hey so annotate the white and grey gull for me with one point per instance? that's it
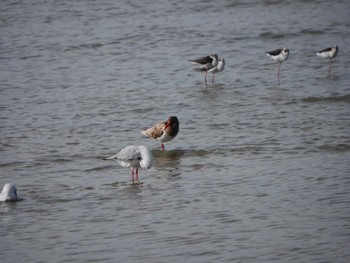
(9, 193)
(134, 157)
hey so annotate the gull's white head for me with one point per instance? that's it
(221, 65)
(9, 193)
(146, 157)
(215, 59)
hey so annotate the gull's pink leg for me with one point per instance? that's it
(206, 72)
(212, 80)
(162, 147)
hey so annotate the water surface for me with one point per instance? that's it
(258, 173)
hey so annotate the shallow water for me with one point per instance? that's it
(258, 173)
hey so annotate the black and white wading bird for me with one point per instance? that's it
(278, 55)
(205, 63)
(330, 52)
(219, 67)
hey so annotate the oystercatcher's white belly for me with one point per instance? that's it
(165, 138)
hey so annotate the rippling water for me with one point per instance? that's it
(258, 173)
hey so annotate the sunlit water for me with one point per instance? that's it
(258, 173)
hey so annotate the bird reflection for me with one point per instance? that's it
(168, 163)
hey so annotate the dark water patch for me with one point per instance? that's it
(9, 164)
(123, 183)
(177, 153)
(53, 159)
(84, 46)
(167, 159)
(272, 35)
(345, 98)
(235, 39)
(311, 31)
(28, 57)
(99, 168)
(334, 147)
(247, 150)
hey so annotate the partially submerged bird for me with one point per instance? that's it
(219, 67)
(330, 52)
(278, 55)
(205, 63)
(9, 193)
(134, 157)
(164, 131)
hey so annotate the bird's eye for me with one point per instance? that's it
(139, 158)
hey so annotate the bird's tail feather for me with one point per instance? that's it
(144, 132)
(111, 157)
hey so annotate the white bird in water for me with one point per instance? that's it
(134, 157)
(219, 67)
(9, 193)
(330, 52)
(205, 63)
(164, 131)
(278, 55)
